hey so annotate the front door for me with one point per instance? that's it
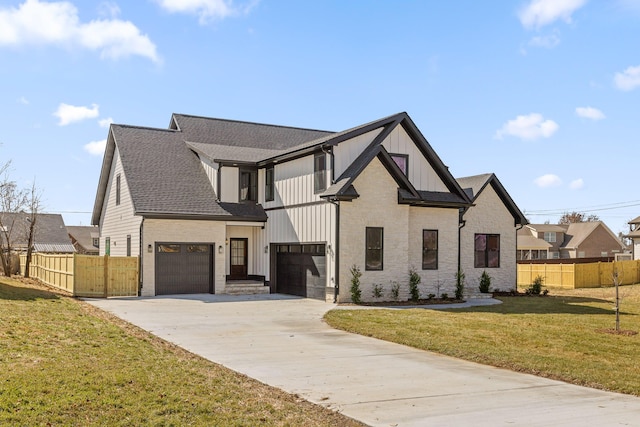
(238, 259)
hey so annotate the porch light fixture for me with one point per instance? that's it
(220, 249)
(266, 249)
(149, 248)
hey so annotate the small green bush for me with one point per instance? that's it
(414, 281)
(485, 282)
(395, 290)
(356, 292)
(377, 290)
(459, 284)
(536, 287)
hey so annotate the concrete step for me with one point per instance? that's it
(476, 295)
(246, 289)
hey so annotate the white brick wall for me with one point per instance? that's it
(489, 215)
(378, 206)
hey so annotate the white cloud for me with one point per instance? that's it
(71, 113)
(539, 13)
(57, 23)
(548, 42)
(629, 79)
(104, 123)
(22, 100)
(96, 148)
(206, 10)
(590, 113)
(548, 180)
(530, 127)
(576, 184)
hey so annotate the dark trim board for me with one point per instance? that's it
(299, 205)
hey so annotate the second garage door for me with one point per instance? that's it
(301, 269)
(184, 268)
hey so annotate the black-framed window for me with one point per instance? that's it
(128, 244)
(269, 183)
(402, 160)
(429, 249)
(117, 189)
(487, 251)
(374, 248)
(248, 185)
(319, 172)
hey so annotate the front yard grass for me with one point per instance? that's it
(64, 362)
(561, 336)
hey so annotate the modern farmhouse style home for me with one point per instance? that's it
(223, 206)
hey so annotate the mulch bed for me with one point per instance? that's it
(430, 301)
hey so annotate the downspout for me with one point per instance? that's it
(336, 252)
(461, 224)
(141, 254)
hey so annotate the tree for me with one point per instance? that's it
(33, 207)
(12, 201)
(573, 217)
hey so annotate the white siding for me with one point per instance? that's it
(421, 174)
(118, 221)
(211, 169)
(182, 231)
(346, 152)
(293, 183)
(230, 186)
(489, 216)
(378, 206)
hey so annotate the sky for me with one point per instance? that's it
(543, 93)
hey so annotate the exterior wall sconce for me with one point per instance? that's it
(149, 248)
(266, 249)
(220, 249)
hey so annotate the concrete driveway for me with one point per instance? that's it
(282, 341)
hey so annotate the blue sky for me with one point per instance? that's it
(544, 93)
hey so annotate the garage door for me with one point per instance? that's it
(184, 268)
(301, 270)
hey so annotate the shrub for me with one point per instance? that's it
(395, 290)
(459, 284)
(414, 281)
(444, 296)
(536, 287)
(377, 290)
(431, 296)
(356, 292)
(485, 282)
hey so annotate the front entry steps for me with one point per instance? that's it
(245, 287)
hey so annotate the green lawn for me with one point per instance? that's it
(559, 336)
(63, 362)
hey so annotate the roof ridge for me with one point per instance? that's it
(253, 123)
(145, 128)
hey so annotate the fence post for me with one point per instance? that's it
(106, 276)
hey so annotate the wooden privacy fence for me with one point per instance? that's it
(573, 276)
(85, 275)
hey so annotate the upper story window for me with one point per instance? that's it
(402, 160)
(319, 172)
(248, 185)
(487, 251)
(96, 242)
(269, 181)
(118, 189)
(550, 236)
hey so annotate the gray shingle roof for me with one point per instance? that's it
(83, 236)
(50, 232)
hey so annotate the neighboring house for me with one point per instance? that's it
(50, 235)
(634, 235)
(209, 203)
(86, 239)
(592, 239)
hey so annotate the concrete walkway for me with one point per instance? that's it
(282, 341)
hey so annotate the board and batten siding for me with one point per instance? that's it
(211, 169)
(348, 151)
(420, 172)
(182, 231)
(402, 226)
(119, 221)
(489, 215)
(293, 183)
(230, 184)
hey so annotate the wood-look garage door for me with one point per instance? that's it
(301, 270)
(184, 268)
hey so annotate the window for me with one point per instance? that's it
(487, 251)
(550, 236)
(96, 242)
(128, 244)
(402, 160)
(117, 189)
(555, 255)
(248, 186)
(429, 249)
(374, 246)
(319, 172)
(269, 185)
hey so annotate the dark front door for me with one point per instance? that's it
(238, 259)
